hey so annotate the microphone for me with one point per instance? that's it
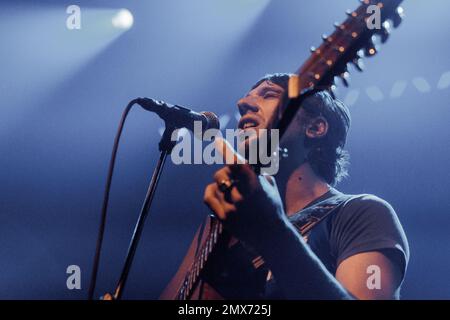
(178, 116)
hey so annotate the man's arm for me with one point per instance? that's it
(301, 275)
(370, 276)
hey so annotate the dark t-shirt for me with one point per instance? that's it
(363, 223)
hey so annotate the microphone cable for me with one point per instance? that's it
(101, 228)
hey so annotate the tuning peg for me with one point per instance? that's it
(315, 50)
(351, 13)
(398, 16)
(327, 38)
(340, 26)
(387, 25)
(359, 64)
(333, 90)
(385, 31)
(345, 77)
(359, 54)
(384, 34)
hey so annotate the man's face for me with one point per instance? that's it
(259, 110)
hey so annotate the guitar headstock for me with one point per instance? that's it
(351, 41)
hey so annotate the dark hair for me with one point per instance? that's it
(327, 156)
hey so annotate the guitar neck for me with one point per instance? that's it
(349, 43)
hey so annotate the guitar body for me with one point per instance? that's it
(201, 289)
(228, 272)
(171, 291)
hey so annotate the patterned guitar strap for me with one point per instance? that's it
(305, 220)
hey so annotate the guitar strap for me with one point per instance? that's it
(305, 220)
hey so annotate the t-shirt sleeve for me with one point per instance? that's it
(368, 223)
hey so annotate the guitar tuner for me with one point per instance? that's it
(398, 16)
(333, 90)
(345, 77)
(384, 34)
(351, 13)
(327, 38)
(340, 26)
(358, 63)
(387, 26)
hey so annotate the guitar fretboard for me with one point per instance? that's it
(200, 260)
(203, 254)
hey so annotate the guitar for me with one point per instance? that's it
(349, 43)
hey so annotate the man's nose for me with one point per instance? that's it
(247, 104)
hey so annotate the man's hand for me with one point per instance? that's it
(249, 205)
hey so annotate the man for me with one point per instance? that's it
(357, 249)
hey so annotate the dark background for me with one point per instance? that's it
(62, 93)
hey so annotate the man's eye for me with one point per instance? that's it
(269, 95)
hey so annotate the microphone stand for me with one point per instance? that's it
(166, 146)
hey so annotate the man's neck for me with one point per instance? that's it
(301, 186)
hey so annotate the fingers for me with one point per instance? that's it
(237, 180)
(211, 199)
(222, 174)
(217, 202)
(246, 179)
(237, 167)
(232, 184)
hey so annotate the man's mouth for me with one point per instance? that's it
(247, 122)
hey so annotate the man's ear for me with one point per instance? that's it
(317, 128)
